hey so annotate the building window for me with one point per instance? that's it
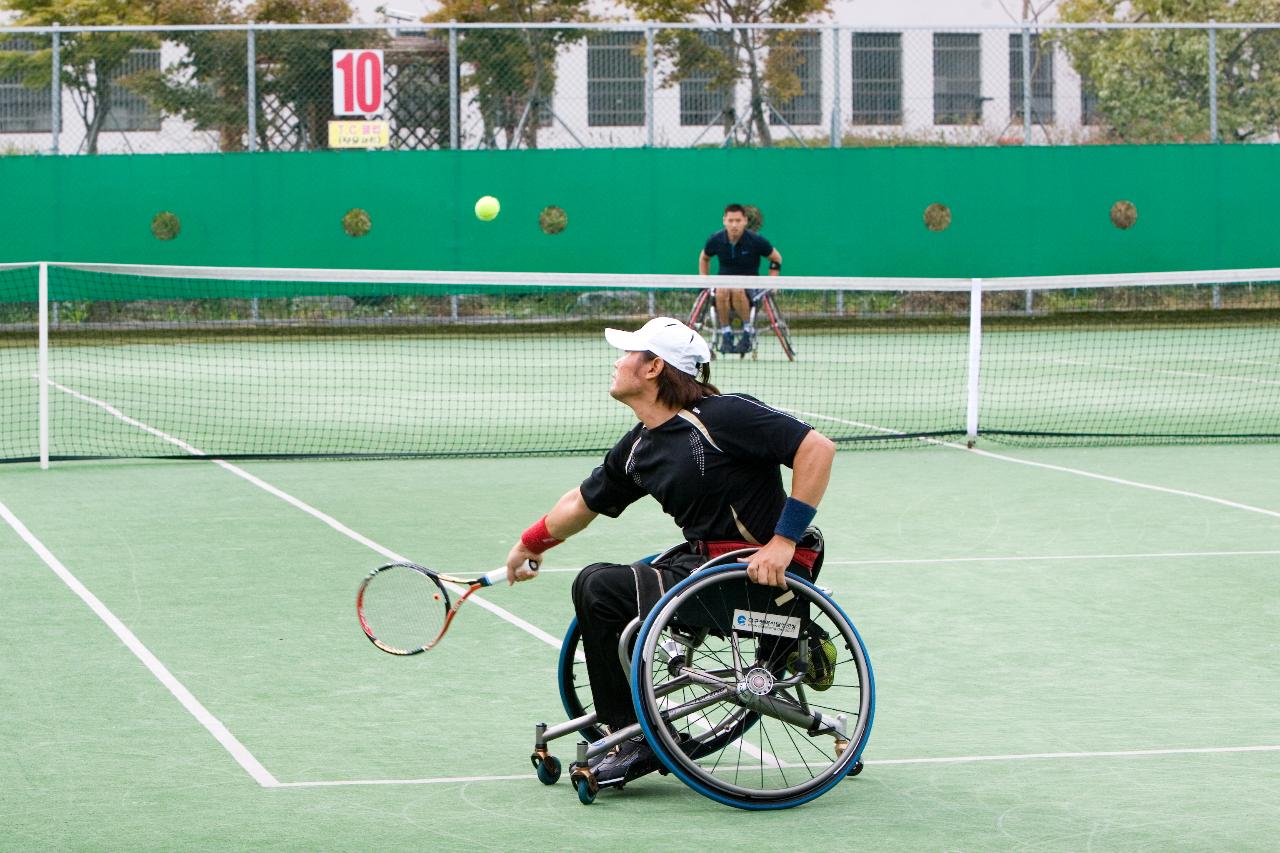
(1090, 112)
(957, 78)
(512, 109)
(1041, 80)
(23, 109)
(801, 55)
(129, 110)
(877, 78)
(702, 102)
(615, 79)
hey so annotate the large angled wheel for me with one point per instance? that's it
(703, 319)
(575, 687)
(789, 661)
(779, 325)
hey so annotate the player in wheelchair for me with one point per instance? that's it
(762, 308)
(707, 660)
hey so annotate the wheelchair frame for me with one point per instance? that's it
(705, 319)
(664, 647)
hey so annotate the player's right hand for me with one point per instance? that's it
(517, 564)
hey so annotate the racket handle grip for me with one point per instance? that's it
(500, 575)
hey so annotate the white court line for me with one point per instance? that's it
(1061, 468)
(1040, 756)
(888, 762)
(1190, 373)
(1022, 558)
(1034, 557)
(305, 507)
(211, 723)
(443, 780)
(216, 728)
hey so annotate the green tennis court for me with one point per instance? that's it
(1077, 651)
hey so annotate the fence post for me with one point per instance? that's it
(837, 118)
(454, 134)
(1026, 85)
(1213, 82)
(975, 361)
(648, 87)
(251, 87)
(55, 90)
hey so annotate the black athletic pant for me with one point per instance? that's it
(606, 597)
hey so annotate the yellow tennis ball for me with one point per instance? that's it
(487, 208)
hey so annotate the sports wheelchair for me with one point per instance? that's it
(754, 696)
(704, 318)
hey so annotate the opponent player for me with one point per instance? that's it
(713, 462)
(739, 252)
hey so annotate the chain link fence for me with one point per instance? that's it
(270, 87)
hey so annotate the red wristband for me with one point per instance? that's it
(537, 538)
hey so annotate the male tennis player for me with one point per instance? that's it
(713, 461)
(739, 252)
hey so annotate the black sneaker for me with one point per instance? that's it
(822, 663)
(727, 344)
(629, 760)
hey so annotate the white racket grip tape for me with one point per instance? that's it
(500, 575)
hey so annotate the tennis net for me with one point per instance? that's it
(242, 363)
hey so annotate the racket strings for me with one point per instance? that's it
(405, 608)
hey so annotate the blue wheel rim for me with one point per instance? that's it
(672, 765)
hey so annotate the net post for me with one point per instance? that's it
(975, 360)
(42, 364)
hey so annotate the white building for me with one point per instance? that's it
(944, 70)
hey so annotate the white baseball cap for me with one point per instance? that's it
(669, 339)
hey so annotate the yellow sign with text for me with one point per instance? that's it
(359, 134)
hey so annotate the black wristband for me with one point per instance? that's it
(775, 265)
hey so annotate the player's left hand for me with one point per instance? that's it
(768, 566)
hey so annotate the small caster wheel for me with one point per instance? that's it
(855, 769)
(548, 769)
(584, 783)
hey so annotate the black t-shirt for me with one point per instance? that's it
(741, 258)
(712, 467)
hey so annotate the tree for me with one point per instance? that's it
(295, 96)
(208, 84)
(513, 70)
(1153, 85)
(768, 59)
(91, 62)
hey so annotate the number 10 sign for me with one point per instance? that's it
(357, 83)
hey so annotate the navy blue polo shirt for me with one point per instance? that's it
(741, 258)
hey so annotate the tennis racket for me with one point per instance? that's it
(405, 609)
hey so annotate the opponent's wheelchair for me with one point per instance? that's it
(704, 318)
(754, 696)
